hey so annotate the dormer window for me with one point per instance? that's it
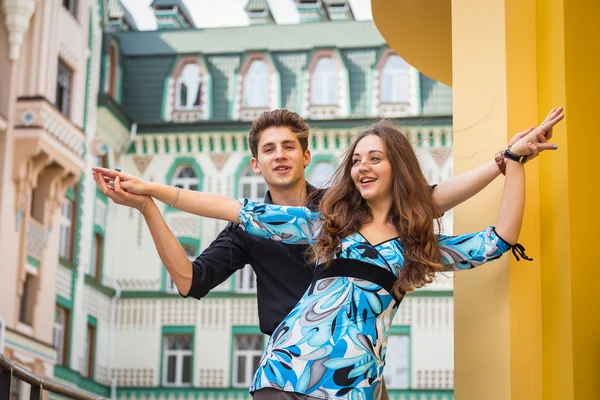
(258, 90)
(394, 81)
(324, 82)
(189, 88)
(257, 85)
(395, 86)
(326, 86)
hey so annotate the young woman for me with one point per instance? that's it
(373, 241)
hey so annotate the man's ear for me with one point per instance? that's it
(307, 158)
(255, 165)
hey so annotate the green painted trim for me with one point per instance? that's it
(176, 330)
(75, 378)
(417, 83)
(70, 194)
(64, 303)
(88, 72)
(119, 76)
(33, 262)
(92, 321)
(105, 290)
(78, 221)
(245, 330)
(316, 159)
(233, 92)
(180, 21)
(400, 330)
(431, 293)
(72, 316)
(238, 172)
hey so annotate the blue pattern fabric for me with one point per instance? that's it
(332, 345)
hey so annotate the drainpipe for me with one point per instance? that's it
(2, 334)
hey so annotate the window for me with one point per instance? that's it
(67, 216)
(321, 174)
(64, 81)
(189, 88)
(185, 178)
(26, 305)
(245, 281)
(96, 264)
(324, 82)
(71, 6)
(247, 353)
(177, 360)
(394, 81)
(397, 362)
(15, 389)
(88, 352)
(61, 334)
(251, 185)
(256, 85)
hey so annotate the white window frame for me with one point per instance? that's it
(193, 83)
(257, 87)
(323, 79)
(320, 181)
(60, 328)
(66, 229)
(256, 183)
(180, 355)
(185, 182)
(245, 280)
(397, 78)
(397, 370)
(249, 355)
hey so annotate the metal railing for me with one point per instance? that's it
(10, 369)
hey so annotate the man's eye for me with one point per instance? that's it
(289, 148)
(268, 150)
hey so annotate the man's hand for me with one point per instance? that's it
(127, 182)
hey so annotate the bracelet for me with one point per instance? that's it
(176, 196)
(514, 157)
(143, 206)
(499, 158)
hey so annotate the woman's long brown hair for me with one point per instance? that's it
(345, 212)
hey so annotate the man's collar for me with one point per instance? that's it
(310, 190)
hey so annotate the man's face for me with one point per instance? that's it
(280, 159)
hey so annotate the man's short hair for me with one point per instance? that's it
(279, 117)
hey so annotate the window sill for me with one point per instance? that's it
(24, 328)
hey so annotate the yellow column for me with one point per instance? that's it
(522, 330)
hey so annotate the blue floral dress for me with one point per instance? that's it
(332, 345)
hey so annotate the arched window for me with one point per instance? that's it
(321, 174)
(251, 185)
(324, 82)
(256, 85)
(189, 85)
(185, 178)
(394, 81)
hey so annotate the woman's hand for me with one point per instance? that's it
(538, 136)
(127, 182)
(117, 194)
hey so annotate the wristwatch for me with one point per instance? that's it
(514, 157)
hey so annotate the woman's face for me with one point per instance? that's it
(371, 170)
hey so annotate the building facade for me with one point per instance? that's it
(87, 300)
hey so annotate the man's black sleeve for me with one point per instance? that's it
(225, 255)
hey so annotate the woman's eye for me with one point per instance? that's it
(354, 162)
(375, 159)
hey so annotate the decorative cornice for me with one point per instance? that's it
(17, 14)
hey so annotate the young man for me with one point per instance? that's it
(278, 142)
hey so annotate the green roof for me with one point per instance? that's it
(256, 5)
(175, 3)
(339, 34)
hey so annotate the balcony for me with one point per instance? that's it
(42, 131)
